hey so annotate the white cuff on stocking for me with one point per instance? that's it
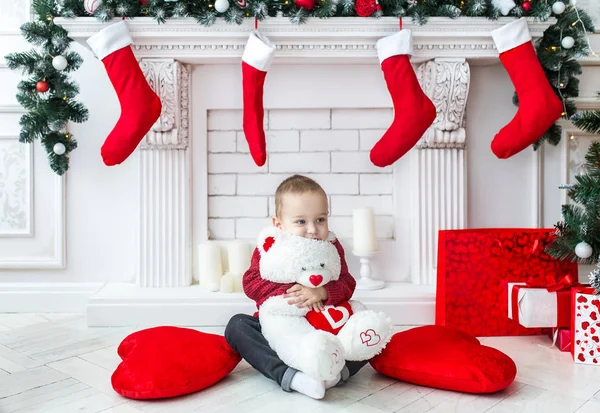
(396, 44)
(259, 51)
(511, 35)
(110, 39)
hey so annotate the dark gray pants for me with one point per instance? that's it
(243, 333)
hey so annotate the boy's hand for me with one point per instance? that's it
(307, 297)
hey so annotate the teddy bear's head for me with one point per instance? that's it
(286, 258)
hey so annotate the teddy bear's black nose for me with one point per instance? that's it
(322, 265)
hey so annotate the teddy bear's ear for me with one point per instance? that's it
(331, 237)
(267, 238)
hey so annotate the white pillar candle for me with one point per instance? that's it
(237, 283)
(227, 283)
(238, 257)
(365, 237)
(209, 266)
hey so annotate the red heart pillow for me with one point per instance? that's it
(445, 358)
(164, 362)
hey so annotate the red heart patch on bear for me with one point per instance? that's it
(165, 362)
(445, 358)
(332, 319)
(269, 241)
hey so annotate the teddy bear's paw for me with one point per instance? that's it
(323, 355)
(365, 335)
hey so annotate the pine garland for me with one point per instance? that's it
(559, 63)
(48, 111)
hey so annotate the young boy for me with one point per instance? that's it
(301, 209)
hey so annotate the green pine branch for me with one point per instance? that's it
(588, 121)
(48, 113)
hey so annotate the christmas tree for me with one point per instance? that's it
(47, 94)
(578, 235)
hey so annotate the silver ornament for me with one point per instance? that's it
(583, 250)
(59, 148)
(59, 63)
(567, 42)
(558, 7)
(221, 6)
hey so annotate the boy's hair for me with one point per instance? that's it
(295, 184)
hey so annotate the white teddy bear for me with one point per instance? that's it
(286, 258)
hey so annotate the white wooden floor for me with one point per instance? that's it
(54, 363)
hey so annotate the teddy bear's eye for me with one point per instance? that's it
(322, 265)
(303, 268)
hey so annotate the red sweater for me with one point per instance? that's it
(259, 289)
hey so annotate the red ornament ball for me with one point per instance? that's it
(526, 6)
(365, 8)
(144, 2)
(306, 4)
(42, 86)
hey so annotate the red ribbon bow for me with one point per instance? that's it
(550, 284)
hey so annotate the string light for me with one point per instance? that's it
(562, 98)
(587, 38)
(572, 137)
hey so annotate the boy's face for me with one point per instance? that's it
(304, 215)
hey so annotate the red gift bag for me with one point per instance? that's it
(473, 272)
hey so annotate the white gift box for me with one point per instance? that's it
(537, 307)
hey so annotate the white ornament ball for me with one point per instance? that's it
(567, 42)
(558, 7)
(91, 5)
(573, 2)
(59, 63)
(59, 148)
(583, 250)
(221, 6)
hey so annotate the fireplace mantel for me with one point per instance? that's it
(336, 40)
(164, 291)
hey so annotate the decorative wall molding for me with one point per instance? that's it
(446, 82)
(12, 109)
(333, 39)
(58, 258)
(165, 232)
(19, 203)
(50, 297)
(170, 80)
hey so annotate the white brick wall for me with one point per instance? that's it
(330, 146)
(299, 162)
(221, 184)
(361, 118)
(221, 141)
(369, 137)
(329, 140)
(237, 206)
(287, 119)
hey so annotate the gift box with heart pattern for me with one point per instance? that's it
(586, 326)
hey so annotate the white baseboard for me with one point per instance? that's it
(129, 305)
(46, 297)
